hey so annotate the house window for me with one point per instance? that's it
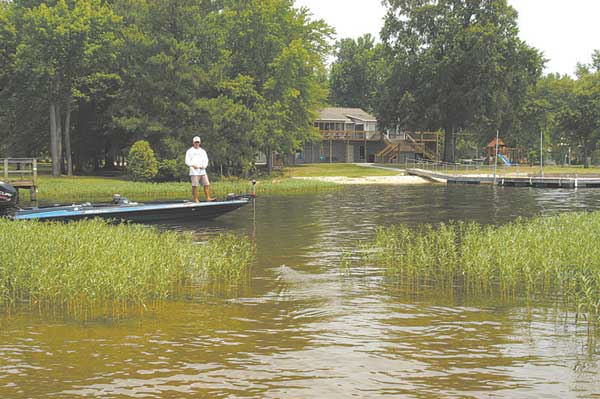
(361, 152)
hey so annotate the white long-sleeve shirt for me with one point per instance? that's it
(196, 157)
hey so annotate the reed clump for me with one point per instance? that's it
(92, 268)
(550, 256)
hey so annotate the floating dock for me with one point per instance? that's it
(525, 181)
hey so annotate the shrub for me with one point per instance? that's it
(142, 164)
(172, 170)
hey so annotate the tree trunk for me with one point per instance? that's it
(59, 133)
(67, 132)
(449, 144)
(586, 159)
(269, 160)
(54, 153)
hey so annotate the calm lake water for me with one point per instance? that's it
(303, 328)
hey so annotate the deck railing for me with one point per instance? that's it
(20, 172)
(359, 135)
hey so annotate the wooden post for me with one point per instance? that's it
(34, 172)
(330, 150)
(347, 151)
(6, 168)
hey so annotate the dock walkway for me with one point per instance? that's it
(510, 181)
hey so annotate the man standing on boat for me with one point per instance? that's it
(197, 160)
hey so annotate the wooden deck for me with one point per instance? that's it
(20, 173)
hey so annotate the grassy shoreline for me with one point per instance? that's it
(93, 268)
(102, 188)
(91, 188)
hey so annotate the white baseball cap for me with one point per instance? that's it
(196, 139)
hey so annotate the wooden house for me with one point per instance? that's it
(347, 135)
(351, 135)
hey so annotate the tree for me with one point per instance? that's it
(7, 46)
(540, 115)
(141, 162)
(246, 76)
(63, 51)
(243, 75)
(579, 118)
(353, 76)
(283, 52)
(454, 65)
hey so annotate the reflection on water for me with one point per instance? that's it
(302, 328)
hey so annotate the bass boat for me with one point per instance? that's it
(120, 209)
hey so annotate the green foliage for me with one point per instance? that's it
(82, 268)
(172, 170)
(246, 76)
(242, 75)
(7, 45)
(141, 162)
(454, 65)
(78, 189)
(354, 73)
(579, 117)
(65, 53)
(544, 256)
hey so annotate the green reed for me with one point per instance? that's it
(61, 189)
(91, 268)
(549, 256)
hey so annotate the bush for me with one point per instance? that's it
(142, 164)
(172, 170)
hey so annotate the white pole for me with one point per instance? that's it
(496, 157)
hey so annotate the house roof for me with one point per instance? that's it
(345, 115)
(492, 143)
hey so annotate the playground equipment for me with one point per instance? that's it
(504, 159)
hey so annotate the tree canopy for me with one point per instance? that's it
(354, 73)
(246, 76)
(454, 65)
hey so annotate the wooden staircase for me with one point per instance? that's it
(413, 142)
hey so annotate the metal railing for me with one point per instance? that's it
(475, 168)
(485, 169)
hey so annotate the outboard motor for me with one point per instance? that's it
(9, 196)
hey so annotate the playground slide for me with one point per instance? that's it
(504, 159)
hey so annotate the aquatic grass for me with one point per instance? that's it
(224, 258)
(543, 256)
(92, 267)
(64, 189)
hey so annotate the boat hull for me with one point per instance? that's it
(148, 212)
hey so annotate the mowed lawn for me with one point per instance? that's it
(335, 169)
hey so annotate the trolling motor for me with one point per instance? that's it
(233, 196)
(9, 197)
